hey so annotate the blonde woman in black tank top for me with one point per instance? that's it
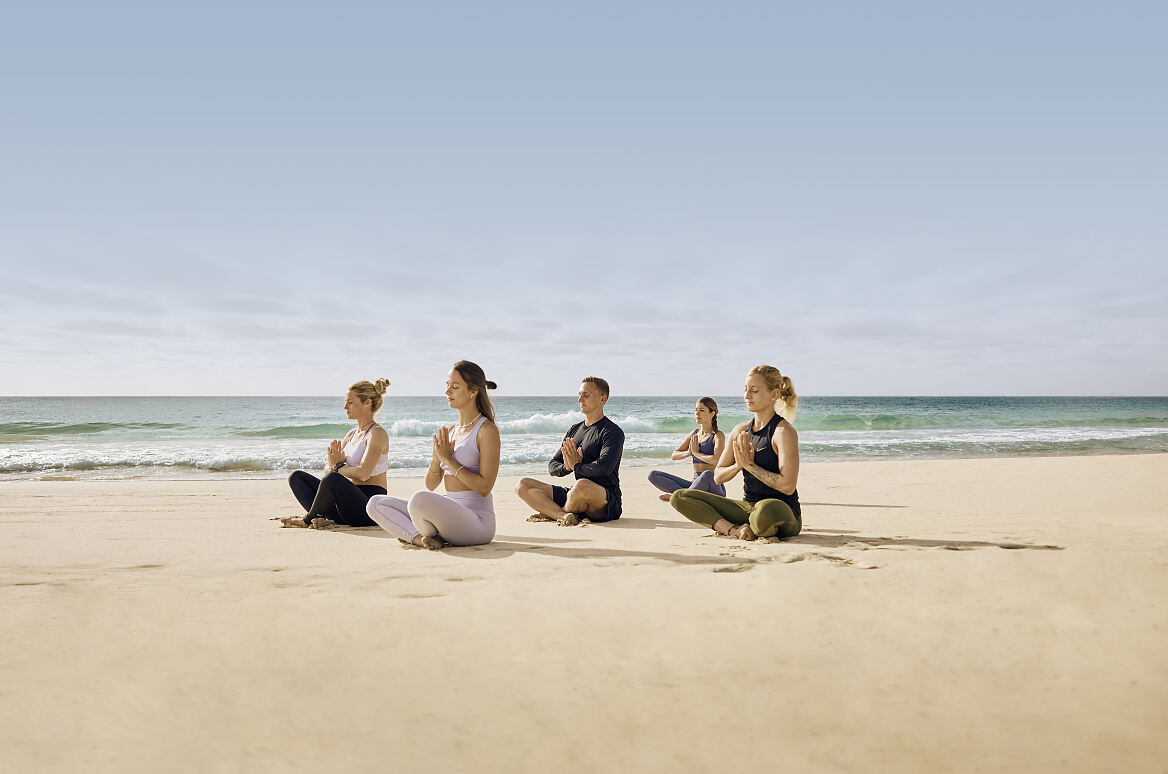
(765, 449)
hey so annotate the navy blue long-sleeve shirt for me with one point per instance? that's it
(601, 445)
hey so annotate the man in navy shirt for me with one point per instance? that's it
(591, 451)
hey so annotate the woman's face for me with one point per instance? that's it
(702, 414)
(757, 396)
(354, 407)
(458, 394)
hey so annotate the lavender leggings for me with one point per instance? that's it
(459, 518)
(703, 482)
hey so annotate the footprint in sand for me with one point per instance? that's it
(734, 568)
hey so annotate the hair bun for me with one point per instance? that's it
(380, 386)
(491, 385)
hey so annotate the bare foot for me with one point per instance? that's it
(425, 541)
(321, 522)
(723, 527)
(744, 532)
(663, 498)
(293, 521)
(539, 517)
(569, 520)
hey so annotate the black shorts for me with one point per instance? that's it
(612, 510)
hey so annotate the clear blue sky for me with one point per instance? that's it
(280, 198)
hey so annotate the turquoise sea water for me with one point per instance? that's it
(224, 437)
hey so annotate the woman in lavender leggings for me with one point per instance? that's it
(705, 446)
(466, 460)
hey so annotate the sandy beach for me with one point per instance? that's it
(953, 615)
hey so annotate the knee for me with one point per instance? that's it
(678, 497)
(585, 495)
(331, 479)
(523, 485)
(420, 499)
(705, 477)
(589, 489)
(774, 517)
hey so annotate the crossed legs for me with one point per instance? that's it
(738, 518)
(586, 498)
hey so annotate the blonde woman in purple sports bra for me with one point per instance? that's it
(465, 460)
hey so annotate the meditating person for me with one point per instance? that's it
(704, 445)
(765, 450)
(465, 459)
(355, 471)
(591, 451)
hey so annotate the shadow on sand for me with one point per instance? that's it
(506, 545)
(849, 505)
(843, 538)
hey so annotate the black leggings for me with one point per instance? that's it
(333, 497)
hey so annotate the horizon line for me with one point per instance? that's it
(629, 395)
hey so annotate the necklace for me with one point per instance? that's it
(471, 422)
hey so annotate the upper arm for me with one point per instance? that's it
(684, 443)
(488, 443)
(614, 441)
(378, 445)
(786, 445)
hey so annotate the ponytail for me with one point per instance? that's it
(788, 402)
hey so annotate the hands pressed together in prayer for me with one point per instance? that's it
(693, 445)
(443, 447)
(743, 450)
(571, 453)
(336, 453)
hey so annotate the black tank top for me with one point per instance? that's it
(766, 458)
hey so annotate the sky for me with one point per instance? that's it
(879, 199)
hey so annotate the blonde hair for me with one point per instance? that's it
(788, 402)
(370, 391)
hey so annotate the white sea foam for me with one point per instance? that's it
(407, 428)
(634, 425)
(541, 423)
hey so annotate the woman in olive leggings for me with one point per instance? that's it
(765, 449)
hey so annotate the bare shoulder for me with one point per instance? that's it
(786, 430)
(489, 429)
(379, 434)
(738, 428)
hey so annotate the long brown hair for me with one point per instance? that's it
(712, 405)
(475, 379)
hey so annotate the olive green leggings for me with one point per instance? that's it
(767, 518)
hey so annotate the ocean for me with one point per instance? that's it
(252, 437)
